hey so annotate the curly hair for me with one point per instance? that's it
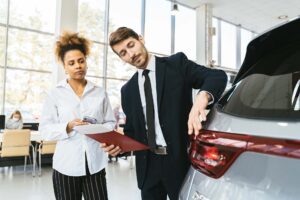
(71, 41)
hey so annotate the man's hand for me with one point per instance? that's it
(111, 149)
(73, 123)
(198, 114)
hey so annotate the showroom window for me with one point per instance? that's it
(29, 50)
(31, 40)
(33, 14)
(246, 37)
(91, 14)
(95, 62)
(3, 11)
(228, 45)
(3, 19)
(215, 42)
(125, 13)
(185, 32)
(131, 18)
(29, 59)
(2, 45)
(91, 21)
(158, 40)
(114, 91)
(122, 13)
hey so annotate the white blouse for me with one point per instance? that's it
(63, 105)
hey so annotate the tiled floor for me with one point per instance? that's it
(15, 184)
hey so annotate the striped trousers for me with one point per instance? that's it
(93, 187)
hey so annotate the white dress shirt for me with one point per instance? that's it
(160, 140)
(63, 105)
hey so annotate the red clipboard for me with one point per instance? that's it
(124, 142)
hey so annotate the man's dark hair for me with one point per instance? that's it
(121, 34)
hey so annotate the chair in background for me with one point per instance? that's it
(16, 143)
(45, 147)
(32, 126)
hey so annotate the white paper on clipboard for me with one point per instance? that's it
(91, 129)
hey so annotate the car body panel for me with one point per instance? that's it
(268, 177)
(257, 127)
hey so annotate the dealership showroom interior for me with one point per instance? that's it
(149, 99)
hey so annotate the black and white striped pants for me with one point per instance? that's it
(93, 187)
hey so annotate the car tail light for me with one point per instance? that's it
(213, 152)
(280, 147)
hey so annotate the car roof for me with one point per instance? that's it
(278, 36)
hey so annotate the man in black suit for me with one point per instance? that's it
(159, 109)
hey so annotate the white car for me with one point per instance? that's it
(249, 148)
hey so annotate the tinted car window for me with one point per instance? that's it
(271, 88)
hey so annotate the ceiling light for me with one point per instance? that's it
(282, 17)
(174, 10)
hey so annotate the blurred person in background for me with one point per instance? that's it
(15, 121)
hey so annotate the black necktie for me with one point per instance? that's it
(149, 110)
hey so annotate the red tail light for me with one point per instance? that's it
(213, 152)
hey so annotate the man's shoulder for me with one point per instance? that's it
(174, 58)
(178, 55)
(130, 82)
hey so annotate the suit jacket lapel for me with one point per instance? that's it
(137, 99)
(160, 77)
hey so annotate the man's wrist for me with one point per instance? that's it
(206, 95)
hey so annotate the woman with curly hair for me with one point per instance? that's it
(78, 162)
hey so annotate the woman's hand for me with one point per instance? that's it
(73, 123)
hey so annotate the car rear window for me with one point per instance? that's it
(271, 88)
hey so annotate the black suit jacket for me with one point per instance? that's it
(176, 76)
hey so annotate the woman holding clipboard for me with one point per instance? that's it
(78, 162)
